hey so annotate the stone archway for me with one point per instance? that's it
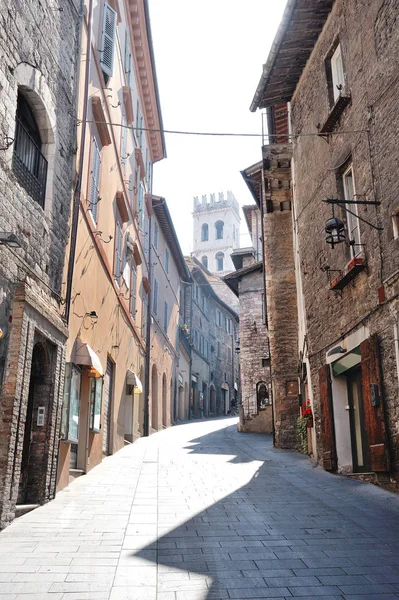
(154, 398)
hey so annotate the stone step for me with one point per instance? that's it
(75, 473)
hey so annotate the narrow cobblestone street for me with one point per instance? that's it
(200, 512)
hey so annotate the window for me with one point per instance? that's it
(204, 232)
(28, 163)
(155, 301)
(219, 350)
(204, 261)
(140, 206)
(229, 355)
(108, 41)
(351, 219)
(395, 224)
(95, 181)
(335, 73)
(167, 260)
(128, 60)
(219, 225)
(144, 315)
(262, 395)
(123, 143)
(206, 351)
(219, 261)
(133, 284)
(165, 316)
(156, 235)
(96, 392)
(218, 318)
(228, 325)
(71, 404)
(265, 362)
(118, 251)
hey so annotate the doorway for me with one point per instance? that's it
(32, 488)
(357, 423)
(108, 405)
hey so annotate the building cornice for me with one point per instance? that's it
(143, 56)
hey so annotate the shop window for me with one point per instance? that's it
(71, 403)
(96, 392)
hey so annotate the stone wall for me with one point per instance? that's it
(38, 50)
(366, 137)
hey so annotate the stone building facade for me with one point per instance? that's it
(37, 131)
(169, 273)
(213, 331)
(106, 401)
(343, 95)
(247, 282)
(216, 224)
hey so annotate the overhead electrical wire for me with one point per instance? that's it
(221, 134)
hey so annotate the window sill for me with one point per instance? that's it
(355, 266)
(333, 118)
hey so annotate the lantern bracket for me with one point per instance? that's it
(334, 201)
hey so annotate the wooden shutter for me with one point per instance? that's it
(374, 415)
(118, 251)
(108, 40)
(134, 286)
(95, 181)
(329, 452)
(123, 142)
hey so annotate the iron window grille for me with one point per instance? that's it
(29, 164)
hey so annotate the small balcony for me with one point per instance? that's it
(29, 164)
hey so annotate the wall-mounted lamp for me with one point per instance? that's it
(335, 231)
(9, 239)
(334, 227)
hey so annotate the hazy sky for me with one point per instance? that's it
(209, 56)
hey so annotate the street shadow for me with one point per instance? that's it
(288, 520)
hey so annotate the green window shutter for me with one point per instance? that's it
(108, 40)
(95, 181)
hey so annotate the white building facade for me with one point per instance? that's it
(216, 231)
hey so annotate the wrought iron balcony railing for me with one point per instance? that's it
(29, 164)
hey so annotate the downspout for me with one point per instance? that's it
(146, 424)
(78, 187)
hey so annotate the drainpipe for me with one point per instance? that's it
(396, 339)
(146, 424)
(78, 187)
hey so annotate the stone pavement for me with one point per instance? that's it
(200, 512)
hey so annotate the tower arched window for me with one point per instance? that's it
(28, 163)
(204, 261)
(219, 261)
(204, 232)
(219, 225)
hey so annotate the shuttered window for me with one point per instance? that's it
(118, 252)
(140, 206)
(165, 316)
(155, 304)
(123, 143)
(108, 40)
(167, 260)
(133, 292)
(95, 181)
(128, 60)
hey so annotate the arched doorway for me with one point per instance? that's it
(154, 398)
(164, 402)
(212, 400)
(32, 481)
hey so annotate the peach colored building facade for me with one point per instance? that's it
(107, 274)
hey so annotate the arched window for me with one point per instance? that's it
(219, 261)
(29, 164)
(219, 230)
(204, 232)
(204, 261)
(262, 395)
